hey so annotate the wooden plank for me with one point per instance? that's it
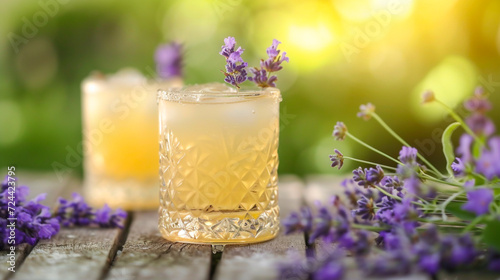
(38, 183)
(74, 253)
(258, 261)
(146, 255)
(71, 254)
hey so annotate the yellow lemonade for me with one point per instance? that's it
(218, 164)
(120, 129)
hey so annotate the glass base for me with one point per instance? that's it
(219, 227)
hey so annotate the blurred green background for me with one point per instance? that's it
(342, 54)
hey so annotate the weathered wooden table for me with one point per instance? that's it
(139, 252)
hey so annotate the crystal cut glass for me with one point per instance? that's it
(218, 164)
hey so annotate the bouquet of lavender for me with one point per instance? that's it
(412, 217)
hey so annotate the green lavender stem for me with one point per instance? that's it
(444, 223)
(459, 119)
(446, 202)
(395, 135)
(373, 149)
(472, 224)
(368, 227)
(430, 178)
(369, 162)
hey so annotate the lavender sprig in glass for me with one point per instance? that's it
(262, 77)
(235, 66)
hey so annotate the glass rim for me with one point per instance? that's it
(191, 93)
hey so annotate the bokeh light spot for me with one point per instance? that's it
(353, 10)
(452, 80)
(182, 21)
(310, 38)
(401, 8)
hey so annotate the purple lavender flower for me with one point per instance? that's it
(478, 103)
(478, 201)
(392, 182)
(339, 131)
(78, 213)
(464, 148)
(351, 194)
(366, 208)
(488, 164)
(295, 268)
(458, 167)
(395, 213)
(374, 175)
(168, 59)
(480, 124)
(273, 51)
(456, 251)
(322, 227)
(337, 159)
(235, 56)
(485, 165)
(34, 222)
(405, 211)
(324, 268)
(228, 47)
(408, 155)
(429, 263)
(366, 111)
(413, 186)
(273, 63)
(299, 222)
(239, 73)
(261, 78)
(388, 263)
(386, 203)
(469, 184)
(331, 268)
(360, 177)
(75, 212)
(235, 73)
(106, 219)
(357, 242)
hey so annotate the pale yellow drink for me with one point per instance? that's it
(120, 129)
(218, 164)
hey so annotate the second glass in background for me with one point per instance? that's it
(120, 132)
